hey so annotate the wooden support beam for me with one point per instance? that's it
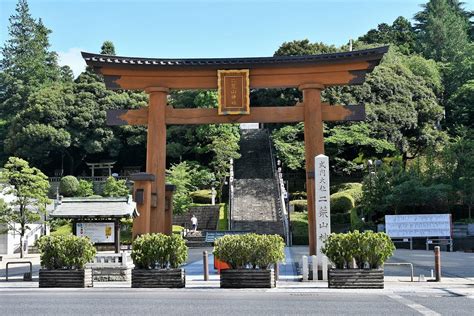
(156, 155)
(314, 145)
(270, 114)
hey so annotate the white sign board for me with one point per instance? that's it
(322, 203)
(249, 125)
(430, 225)
(101, 232)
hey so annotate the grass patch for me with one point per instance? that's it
(222, 224)
(177, 229)
(63, 230)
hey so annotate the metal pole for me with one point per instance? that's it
(205, 260)
(437, 263)
(277, 271)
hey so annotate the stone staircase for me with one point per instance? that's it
(255, 203)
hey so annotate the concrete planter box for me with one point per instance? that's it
(356, 278)
(78, 278)
(247, 278)
(158, 278)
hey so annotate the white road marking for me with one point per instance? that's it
(417, 307)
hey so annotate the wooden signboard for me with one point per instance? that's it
(234, 92)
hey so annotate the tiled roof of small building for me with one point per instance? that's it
(95, 207)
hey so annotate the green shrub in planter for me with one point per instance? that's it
(369, 250)
(341, 202)
(250, 251)
(65, 252)
(68, 186)
(299, 205)
(159, 251)
(202, 196)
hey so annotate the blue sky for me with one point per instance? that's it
(210, 28)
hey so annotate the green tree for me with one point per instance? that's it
(212, 145)
(26, 62)
(181, 176)
(400, 33)
(442, 30)
(29, 187)
(115, 188)
(461, 106)
(304, 47)
(41, 131)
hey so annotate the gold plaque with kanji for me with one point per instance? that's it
(234, 92)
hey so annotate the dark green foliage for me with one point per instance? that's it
(115, 188)
(461, 106)
(65, 252)
(304, 47)
(250, 251)
(368, 249)
(159, 251)
(289, 144)
(400, 33)
(442, 30)
(26, 62)
(68, 186)
(340, 219)
(341, 202)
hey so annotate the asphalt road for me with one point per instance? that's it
(225, 302)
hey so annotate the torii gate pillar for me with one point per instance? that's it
(314, 145)
(156, 156)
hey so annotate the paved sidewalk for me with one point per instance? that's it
(397, 280)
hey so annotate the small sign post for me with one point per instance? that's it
(322, 204)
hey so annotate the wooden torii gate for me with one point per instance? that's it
(310, 74)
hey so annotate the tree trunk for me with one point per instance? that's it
(22, 252)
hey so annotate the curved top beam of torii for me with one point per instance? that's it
(265, 72)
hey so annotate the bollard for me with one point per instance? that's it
(324, 263)
(277, 271)
(205, 260)
(305, 268)
(437, 263)
(314, 262)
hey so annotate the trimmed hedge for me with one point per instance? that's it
(65, 252)
(68, 186)
(202, 196)
(250, 251)
(159, 251)
(299, 195)
(341, 202)
(299, 205)
(346, 186)
(340, 218)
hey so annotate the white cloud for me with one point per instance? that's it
(73, 59)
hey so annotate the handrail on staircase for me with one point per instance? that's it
(281, 193)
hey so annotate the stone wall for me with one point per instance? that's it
(207, 216)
